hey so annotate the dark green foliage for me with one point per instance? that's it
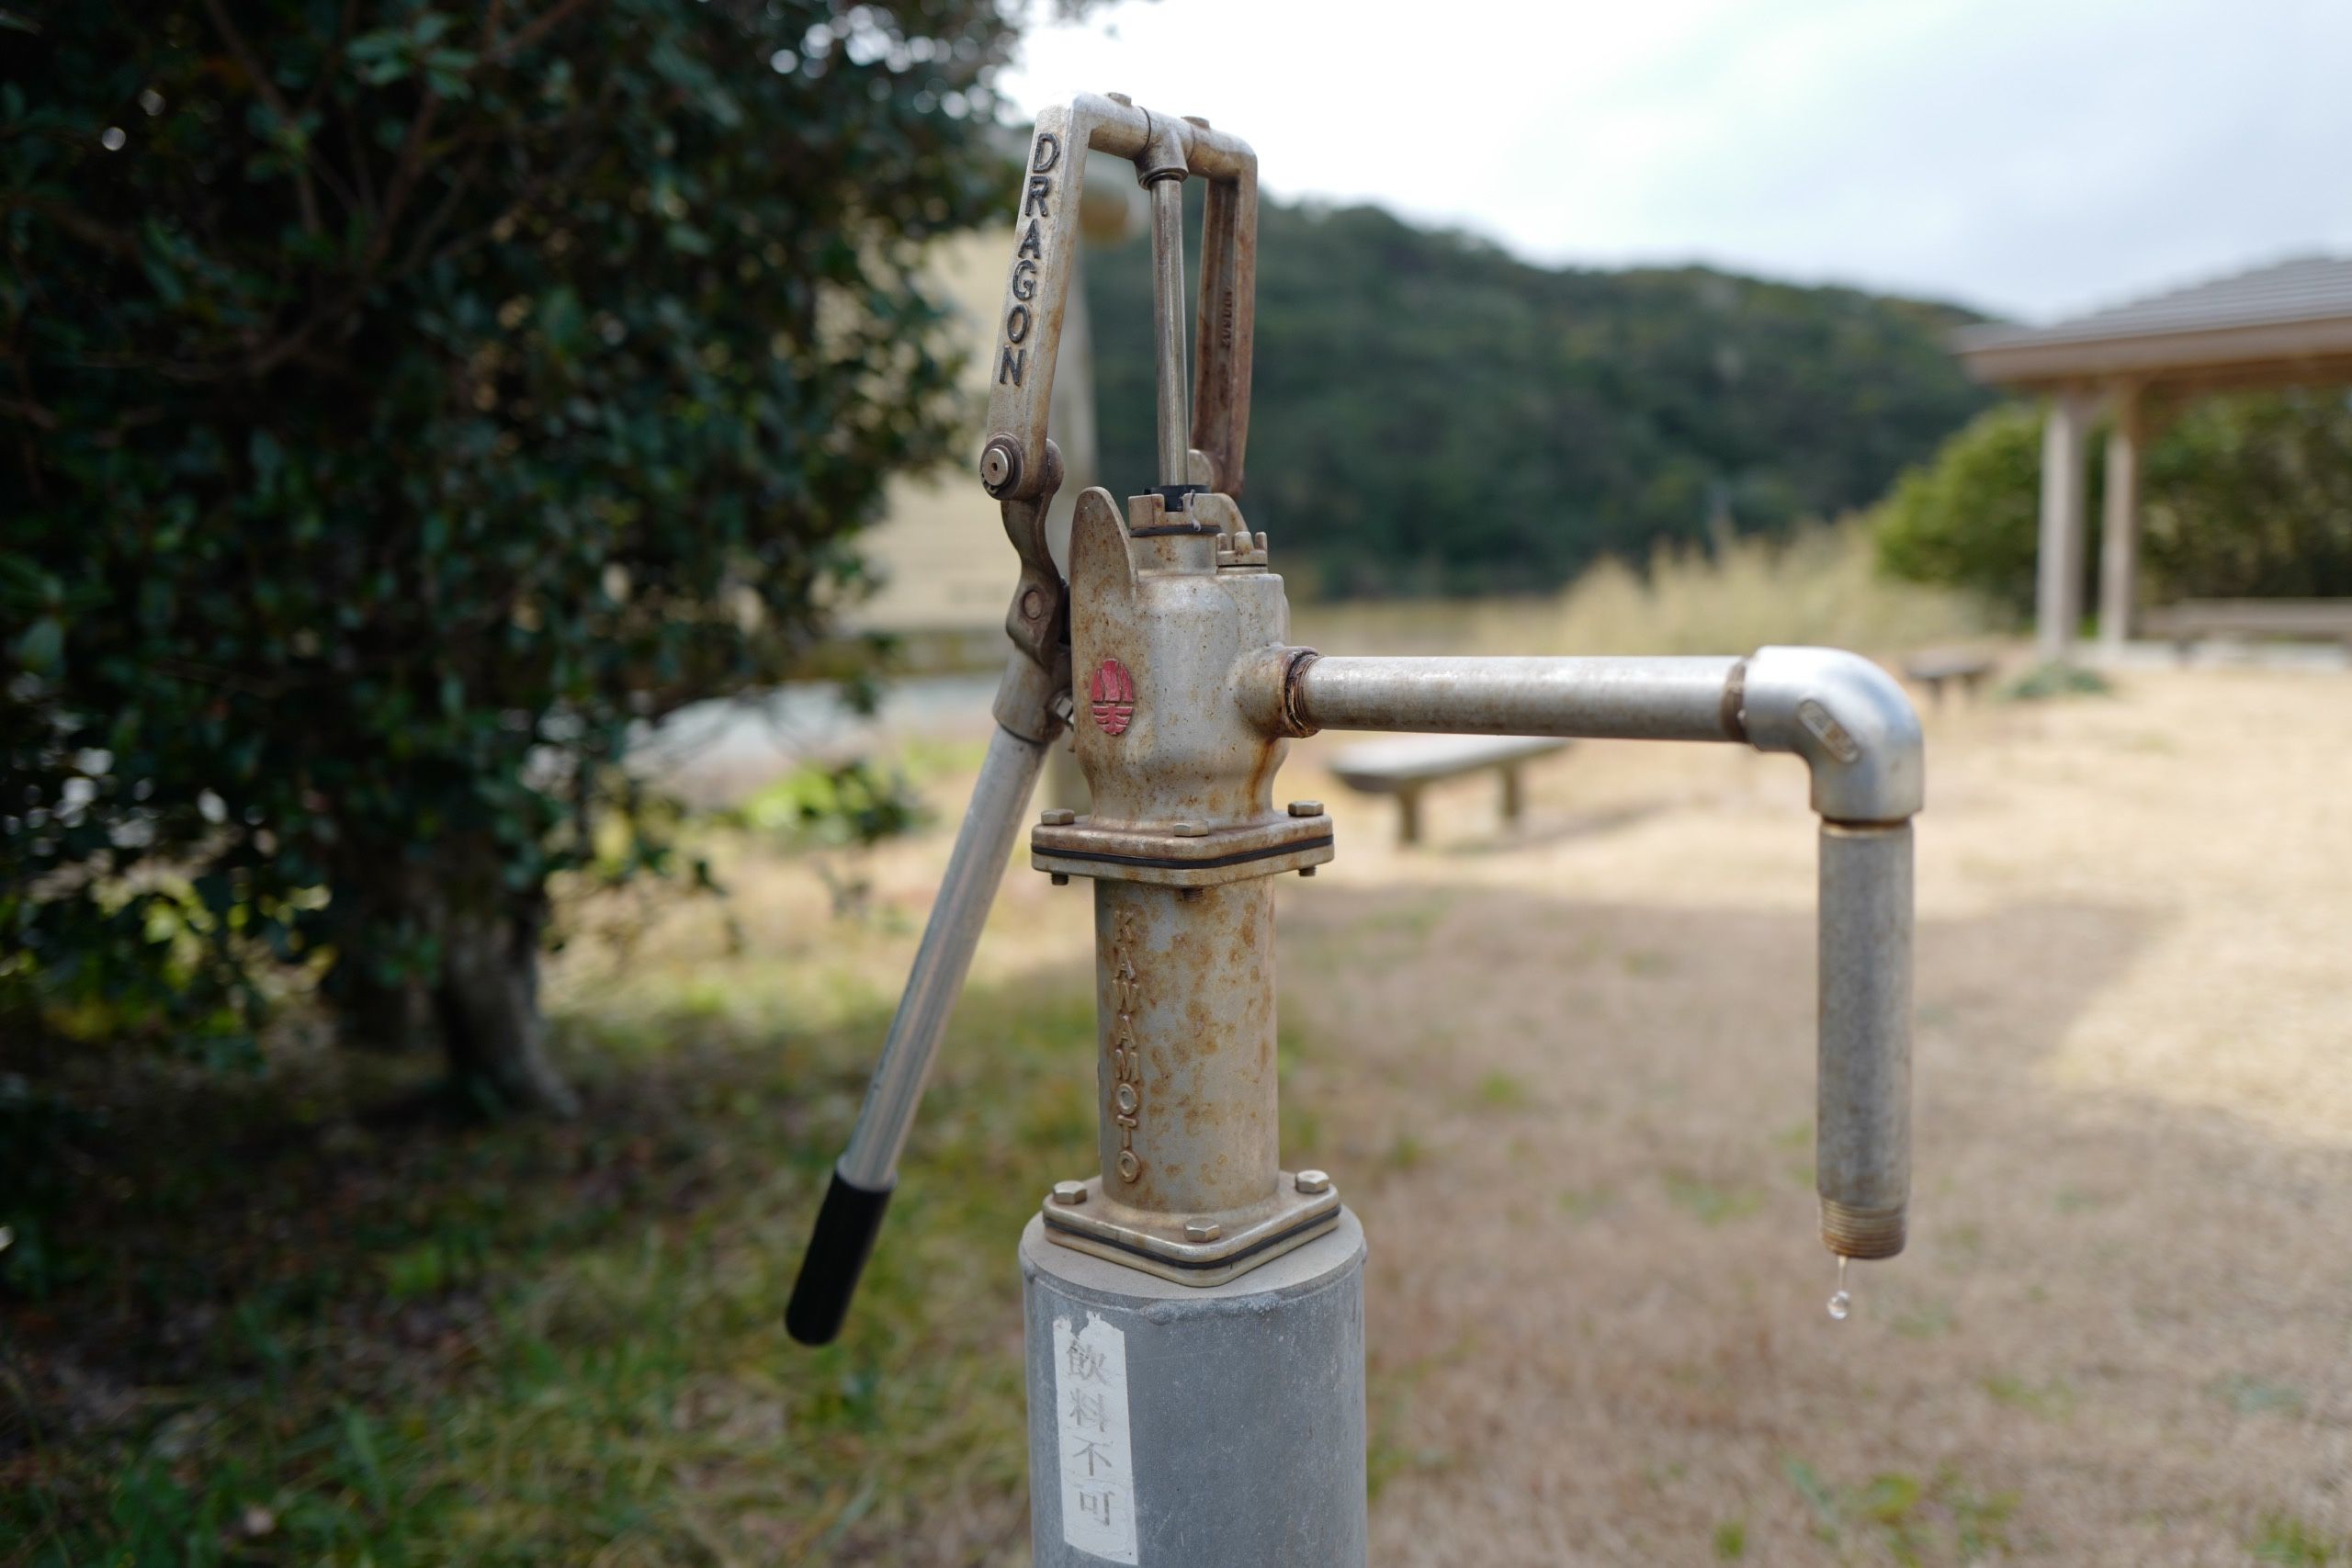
(399, 405)
(1429, 415)
(2251, 497)
(844, 806)
(1972, 517)
(2244, 496)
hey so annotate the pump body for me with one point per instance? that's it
(1194, 1309)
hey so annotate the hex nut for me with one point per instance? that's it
(1188, 830)
(1058, 817)
(1061, 878)
(1314, 1183)
(1070, 1193)
(1307, 808)
(1306, 871)
(1203, 1230)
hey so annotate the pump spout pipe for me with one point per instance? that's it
(1859, 736)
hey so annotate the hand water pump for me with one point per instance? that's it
(1194, 1310)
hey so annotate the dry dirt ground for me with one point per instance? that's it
(1564, 1075)
(1567, 1076)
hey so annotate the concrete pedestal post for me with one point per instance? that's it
(1178, 1426)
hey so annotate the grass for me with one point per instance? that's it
(2051, 1401)
(1500, 1092)
(320, 1314)
(308, 1322)
(2045, 681)
(1913, 1521)
(1818, 585)
(2286, 1540)
(1707, 1202)
(2253, 1396)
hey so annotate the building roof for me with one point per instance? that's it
(2276, 325)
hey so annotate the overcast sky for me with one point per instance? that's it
(2032, 158)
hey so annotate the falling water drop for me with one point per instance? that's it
(1841, 1303)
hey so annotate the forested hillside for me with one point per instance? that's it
(1431, 415)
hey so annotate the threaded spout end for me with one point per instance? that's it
(1862, 1232)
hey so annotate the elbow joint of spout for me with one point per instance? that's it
(1848, 718)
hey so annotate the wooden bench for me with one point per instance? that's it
(1940, 667)
(1407, 764)
(2327, 620)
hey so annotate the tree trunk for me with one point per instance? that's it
(394, 1018)
(482, 1001)
(382, 1005)
(489, 1007)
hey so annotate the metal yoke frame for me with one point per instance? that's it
(1188, 693)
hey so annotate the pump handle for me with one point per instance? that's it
(1037, 290)
(838, 1249)
(868, 1168)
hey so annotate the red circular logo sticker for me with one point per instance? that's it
(1114, 697)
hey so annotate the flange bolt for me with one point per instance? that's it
(1307, 808)
(999, 466)
(1070, 1193)
(1314, 1183)
(1058, 817)
(1203, 1230)
(1189, 830)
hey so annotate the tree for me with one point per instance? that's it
(2251, 496)
(400, 406)
(2244, 495)
(1970, 518)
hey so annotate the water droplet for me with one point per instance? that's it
(1841, 1302)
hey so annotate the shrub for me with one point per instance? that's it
(401, 405)
(2245, 495)
(2250, 497)
(1970, 518)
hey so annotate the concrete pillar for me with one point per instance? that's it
(2064, 498)
(2119, 564)
(1196, 1426)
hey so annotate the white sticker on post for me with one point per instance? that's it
(1097, 1460)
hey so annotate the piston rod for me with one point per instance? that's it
(1168, 314)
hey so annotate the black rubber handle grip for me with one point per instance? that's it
(838, 1249)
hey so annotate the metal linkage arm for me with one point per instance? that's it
(1858, 734)
(1036, 292)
